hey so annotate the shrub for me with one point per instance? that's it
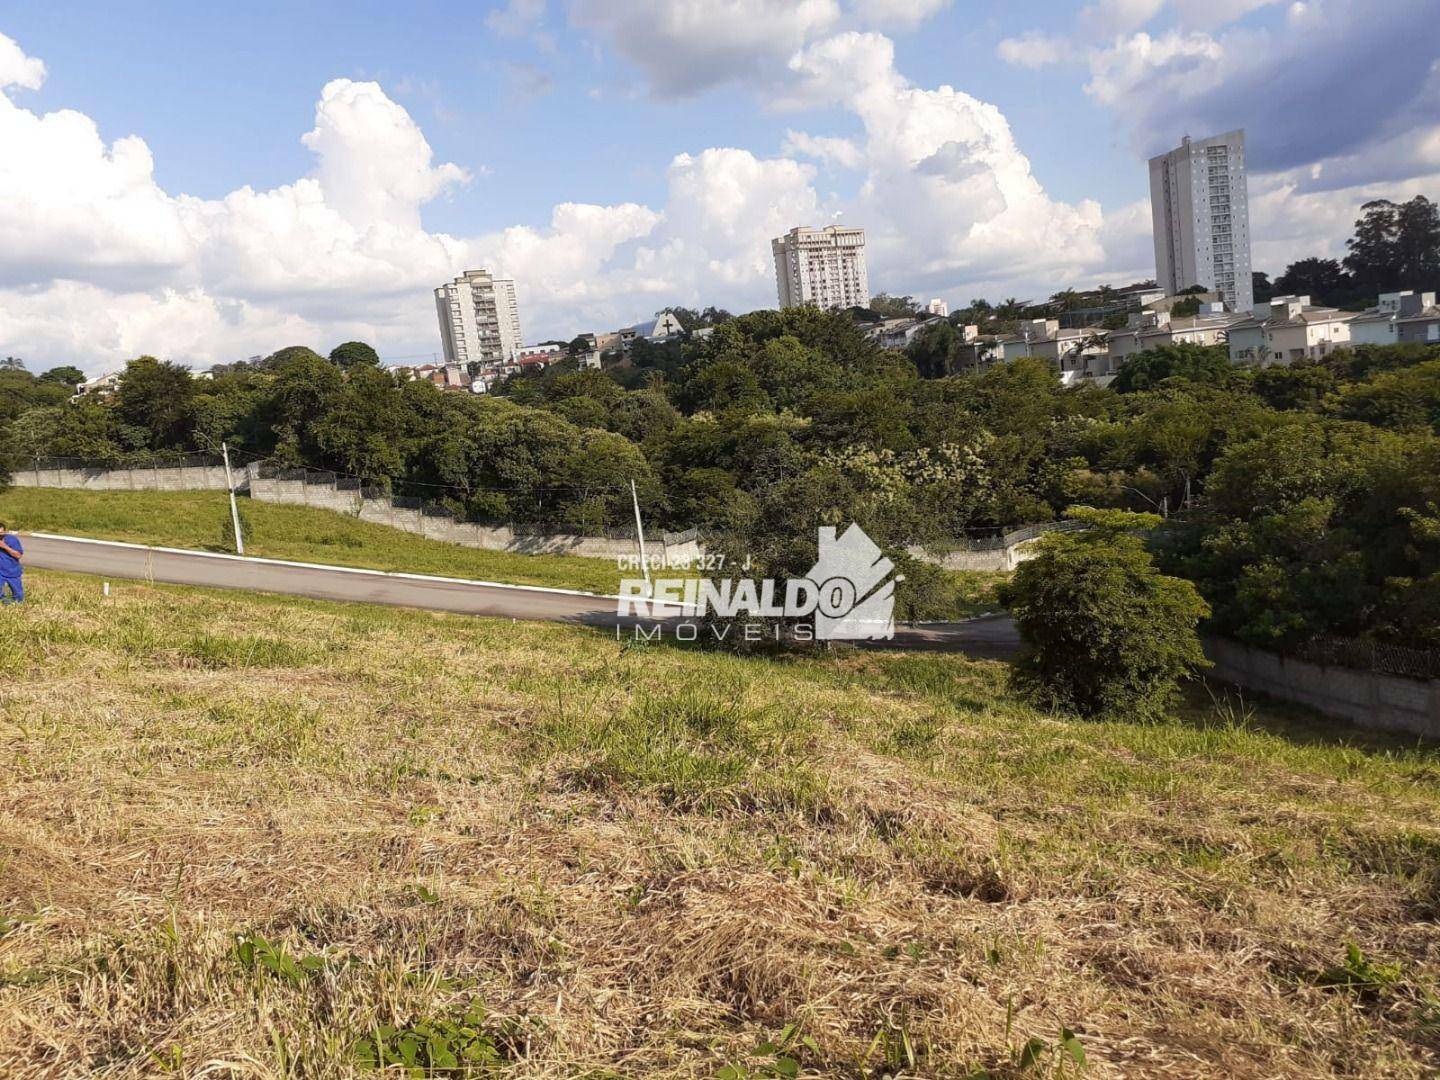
(1104, 632)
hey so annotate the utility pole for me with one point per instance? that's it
(640, 536)
(234, 510)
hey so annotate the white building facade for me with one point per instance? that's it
(1199, 206)
(823, 268)
(479, 318)
(1288, 329)
(938, 307)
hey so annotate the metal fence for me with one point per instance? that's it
(175, 460)
(1377, 656)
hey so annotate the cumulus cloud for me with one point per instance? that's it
(102, 263)
(17, 69)
(112, 264)
(375, 166)
(1179, 65)
(105, 264)
(947, 192)
(685, 47)
(72, 205)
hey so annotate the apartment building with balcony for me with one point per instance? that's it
(823, 268)
(1199, 207)
(479, 318)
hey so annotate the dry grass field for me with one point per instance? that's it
(244, 836)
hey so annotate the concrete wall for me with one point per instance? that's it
(1366, 698)
(159, 478)
(662, 548)
(667, 547)
(1003, 559)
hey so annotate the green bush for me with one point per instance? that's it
(1104, 632)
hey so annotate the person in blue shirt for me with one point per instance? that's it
(12, 571)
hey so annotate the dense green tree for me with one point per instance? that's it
(157, 397)
(66, 375)
(360, 431)
(1196, 363)
(289, 354)
(1104, 632)
(1261, 288)
(894, 307)
(1324, 280)
(1296, 386)
(933, 350)
(354, 354)
(303, 386)
(1406, 400)
(1396, 245)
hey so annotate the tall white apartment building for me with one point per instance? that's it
(1201, 217)
(821, 267)
(938, 307)
(479, 318)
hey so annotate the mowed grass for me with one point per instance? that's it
(252, 836)
(201, 519)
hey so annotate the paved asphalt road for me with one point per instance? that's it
(990, 637)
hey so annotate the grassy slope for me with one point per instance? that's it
(201, 519)
(645, 860)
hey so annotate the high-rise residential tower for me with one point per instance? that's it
(479, 318)
(821, 267)
(1202, 218)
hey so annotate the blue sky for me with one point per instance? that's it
(679, 134)
(223, 95)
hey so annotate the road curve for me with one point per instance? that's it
(990, 637)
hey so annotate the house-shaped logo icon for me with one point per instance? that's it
(855, 589)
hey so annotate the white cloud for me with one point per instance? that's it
(1208, 14)
(114, 265)
(831, 149)
(17, 69)
(1176, 64)
(726, 204)
(948, 194)
(103, 264)
(1291, 220)
(685, 47)
(1033, 49)
(895, 14)
(375, 165)
(1107, 18)
(69, 204)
